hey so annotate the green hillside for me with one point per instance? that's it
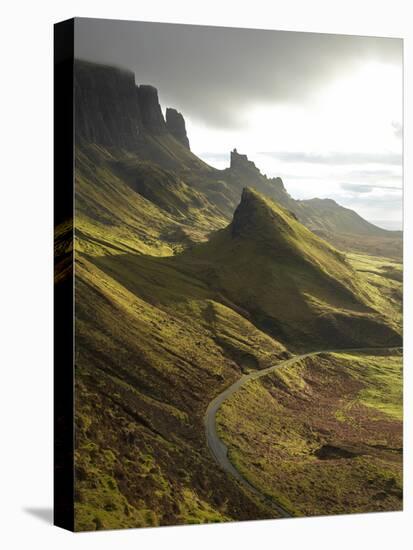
(144, 376)
(125, 204)
(168, 333)
(293, 285)
(323, 436)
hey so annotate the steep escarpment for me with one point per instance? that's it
(152, 117)
(111, 110)
(175, 123)
(106, 108)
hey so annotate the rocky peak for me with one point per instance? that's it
(241, 162)
(175, 124)
(152, 117)
(259, 218)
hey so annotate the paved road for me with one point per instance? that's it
(220, 450)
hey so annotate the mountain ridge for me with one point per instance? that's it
(112, 111)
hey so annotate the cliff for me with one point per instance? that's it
(176, 126)
(242, 163)
(152, 117)
(111, 110)
(106, 109)
(245, 173)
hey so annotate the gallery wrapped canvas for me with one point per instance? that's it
(228, 274)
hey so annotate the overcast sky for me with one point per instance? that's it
(324, 112)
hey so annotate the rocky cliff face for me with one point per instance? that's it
(241, 162)
(112, 111)
(152, 116)
(106, 108)
(176, 126)
(245, 173)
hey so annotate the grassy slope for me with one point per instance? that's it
(328, 216)
(385, 278)
(323, 436)
(144, 378)
(346, 230)
(292, 284)
(159, 336)
(153, 348)
(386, 246)
(112, 217)
(63, 251)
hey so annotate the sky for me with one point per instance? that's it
(324, 112)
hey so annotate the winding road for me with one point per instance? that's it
(220, 450)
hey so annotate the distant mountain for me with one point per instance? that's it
(317, 214)
(341, 226)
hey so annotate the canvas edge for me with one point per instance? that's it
(63, 174)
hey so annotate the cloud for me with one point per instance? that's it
(380, 174)
(356, 188)
(213, 73)
(335, 158)
(390, 201)
(365, 188)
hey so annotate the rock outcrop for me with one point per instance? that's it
(152, 117)
(245, 173)
(111, 110)
(175, 124)
(106, 110)
(241, 162)
(242, 166)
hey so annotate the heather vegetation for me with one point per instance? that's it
(322, 436)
